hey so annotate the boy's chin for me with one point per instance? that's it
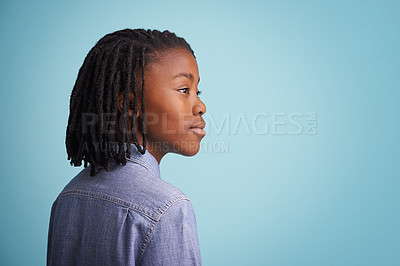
(190, 154)
(189, 151)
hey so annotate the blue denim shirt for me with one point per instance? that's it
(127, 216)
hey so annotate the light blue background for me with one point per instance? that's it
(330, 198)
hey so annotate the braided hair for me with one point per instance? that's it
(112, 66)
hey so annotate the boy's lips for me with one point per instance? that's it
(198, 128)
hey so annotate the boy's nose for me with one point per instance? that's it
(199, 108)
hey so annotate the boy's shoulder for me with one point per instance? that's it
(133, 186)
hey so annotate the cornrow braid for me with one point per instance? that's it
(111, 67)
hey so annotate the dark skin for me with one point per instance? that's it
(174, 111)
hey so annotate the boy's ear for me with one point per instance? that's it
(121, 104)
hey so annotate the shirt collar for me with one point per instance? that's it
(146, 160)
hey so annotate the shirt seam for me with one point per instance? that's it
(109, 198)
(162, 210)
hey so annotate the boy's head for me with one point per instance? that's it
(107, 107)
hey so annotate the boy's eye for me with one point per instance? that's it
(185, 90)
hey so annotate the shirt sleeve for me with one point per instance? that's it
(174, 240)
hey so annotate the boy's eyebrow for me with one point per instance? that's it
(187, 75)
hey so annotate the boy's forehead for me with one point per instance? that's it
(176, 63)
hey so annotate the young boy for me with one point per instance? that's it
(135, 99)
